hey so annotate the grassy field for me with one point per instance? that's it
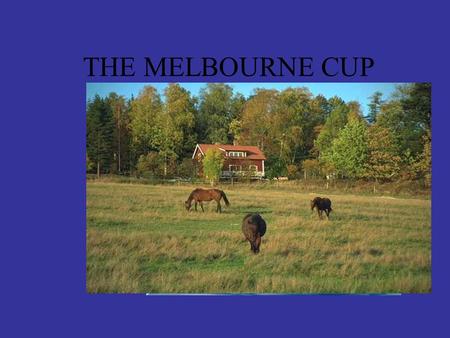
(140, 239)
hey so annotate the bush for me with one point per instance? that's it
(275, 167)
(187, 169)
(311, 168)
(293, 171)
(212, 165)
(149, 166)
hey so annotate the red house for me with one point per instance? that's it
(239, 160)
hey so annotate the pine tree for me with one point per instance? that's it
(99, 134)
(374, 107)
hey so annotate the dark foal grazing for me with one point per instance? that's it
(322, 204)
(202, 195)
(254, 227)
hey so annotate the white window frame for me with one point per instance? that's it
(237, 154)
(235, 165)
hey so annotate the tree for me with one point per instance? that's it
(145, 110)
(383, 162)
(311, 168)
(283, 124)
(155, 164)
(423, 165)
(354, 111)
(417, 106)
(426, 161)
(179, 109)
(322, 106)
(337, 119)
(256, 120)
(215, 113)
(375, 106)
(349, 151)
(237, 107)
(276, 167)
(172, 132)
(121, 135)
(149, 165)
(90, 166)
(187, 168)
(235, 131)
(99, 134)
(293, 124)
(212, 164)
(408, 116)
(334, 103)
(292, 171)
(320, 109)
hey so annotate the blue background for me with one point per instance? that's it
(43, 173)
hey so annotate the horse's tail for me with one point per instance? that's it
(227, 203)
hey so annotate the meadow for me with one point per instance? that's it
(140, 239)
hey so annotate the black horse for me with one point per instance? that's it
(322, 204)
(254, 227)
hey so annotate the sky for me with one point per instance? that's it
(347, 91)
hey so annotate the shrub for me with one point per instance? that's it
(212, 164)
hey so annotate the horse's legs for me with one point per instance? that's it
(318, 213)
(253, 246)
(328, 213)
(219, 207)
(195, 205)
(201, 204)
(257, 243)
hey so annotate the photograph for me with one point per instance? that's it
(258, 188)
(177, 169)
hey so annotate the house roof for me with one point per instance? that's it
(253, 153)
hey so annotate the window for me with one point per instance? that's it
(235, 167)
(252, 167)
(237, 154)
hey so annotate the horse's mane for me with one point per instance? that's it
(191, 195)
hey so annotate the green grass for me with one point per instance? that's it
(141, 239)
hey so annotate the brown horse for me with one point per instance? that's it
(254, 227)
(202, 195)
(322, 204)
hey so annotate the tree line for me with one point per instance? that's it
(302, 135)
